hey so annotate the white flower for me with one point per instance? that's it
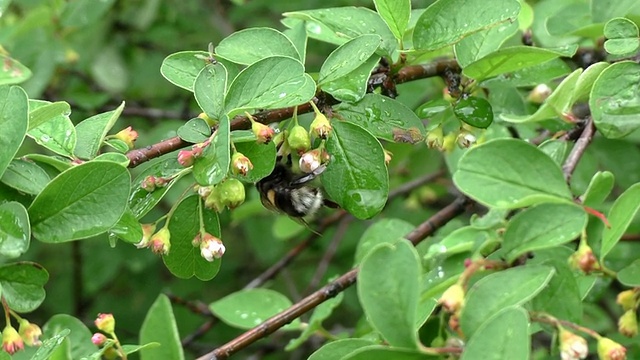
(211, 248)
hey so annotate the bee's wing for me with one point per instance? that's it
(306, 178)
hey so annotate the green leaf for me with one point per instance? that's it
(128, 228)
(12, 71)
(298, 36)
(15, 231)
(81, 13)
(510, 173)
(357, 177)
(160, 326)
(603, 10)
(56, 162)
(184, 259)
(22, 285)
(543, 226)
(585, 81)
(622, 36)
(599, 189)
(558, 150)
(383, 352)
(614, 101)
(385, 231)
(262, 156)
(388, 289)
(483, 43)
(491, 294)
(142, 201)
(246, 309)
(396, 14)
(77, 344)
(209, 89)
(14, 110)
(383, 117)
(42, 114)
(569, 19)
(83, 201)
(474, 111)
(213, 165)
(434, 31)
(458, 241)
(51, 345)
(182, 68)
(630, 275)
(622, 212)
(353, 87)
(532, 75)
(339, 25)
(561, 297)
(25, 176)
(250, 45)
(320, 313)
(274, 80)
(347, 58)
(512, 59)
(194, 131)
(503, 336)
(339, 348)
(114, 157)
(57, 134)
(92, 131)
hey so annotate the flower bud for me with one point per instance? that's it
(465, 139)
(198, 148)
(572, 346)
(211, 247)
(310, 161)
(388, 155)
(539, 94)
(299, 139)
(214, 200)
(263, 132)
(160, 242)
(11, 340)
(186, 158)
(99, 339)
(628, 323)
(231, 193)
(240, 164)
(30, 333)
(583, 259)
(147, 231)
(207, 119)
(204, 191)
(449, 142)
(320, 126)
(149, 183)
(453, 298)
(106, 323)
(611, 350)
(435, 138)
(128, 136)
(627, 299)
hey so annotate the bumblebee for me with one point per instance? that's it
(291, 194)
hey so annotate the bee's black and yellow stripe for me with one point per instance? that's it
(282, 191)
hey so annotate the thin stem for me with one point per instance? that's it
(549, 319)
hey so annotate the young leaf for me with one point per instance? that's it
(357, 177)
(503, 336)
(434, 31)
(92, 131)
(622, 36)
(194, 131)
(212, 166)
(298, 36)
(348, 57)
(599, 188)
(83, 201)
(353, 87)
(250, 45)
(14, 119)
(160, 326)
(58, 134)
(15, 232)
(388, 289)
(509, 173)
(25, 176)
(23, 285)
(396, 14)
(209, 89)
(184, 260)
(246, 309)
(491, 294)
(42, 114)
(624, 209)
(182, 68)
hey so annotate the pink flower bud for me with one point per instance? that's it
(11, 340)
(186, 158)
(147, 231)
(160, 242)
(99, 339)
(611, 350)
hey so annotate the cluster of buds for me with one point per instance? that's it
(127, 136)
(240, 164)
(211, 247)
(107, 324)
(628, 322)
(572, 346)
(229, 193)
(159, 242)
(263, 133)
(27, 334)
(150, 183)
(186, 158)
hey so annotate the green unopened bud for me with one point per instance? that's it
(435, 138)
(584, 259)
(205, 117)
(106, 323)
(611, 350)
(231, 193)
(320, 126)
(453, 298)
(263, 133)
(449, 142)
(628, 324)
(240, 164)
(299, 139)
(539, 94)
(11, 340)
(213, 200)
(627, 299)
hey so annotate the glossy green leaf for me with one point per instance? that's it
(482, 43)
(14, 120)
(558, 150)
(458, 241)
(25, 176)
(49, 346)
(614, 101)
(114, 157)
(357, 177)
(388, 289)
(543, 226)
(510, 173)
(142, 201)
(81, 13)
(58, 134)
(212, 166)
(347, 58)
(298, 36)
(262, 156)
(128, 228)
(184, 259)
(491, 294)
(274, 80)
(599, 189)
(246, 309)
(250, 45)
(385, 118)
(56, 162)
(603, 10)
(622, 36)
(512, 59)
(561, 297)
(387, 231)
(182, 68)
(209, 89)
(474, 111)
(630, 275)
(12, 71)
(42, 114)
(15, 231)
(92, 131)
(503, 336)
(569, 19)
(320, 313)
(396, 14)
(434, 31)
(532, 75)
(77, 344)
(339, 25)
(23, 285)
(622, 212)
(83, 201)
(353, 87)
(383, 352)
(587, 78)
(194, 131)
(160, 326)
(305, 93)
(339, 348)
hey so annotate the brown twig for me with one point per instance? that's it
(330, 252)
(274, 323)
(578, 149)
